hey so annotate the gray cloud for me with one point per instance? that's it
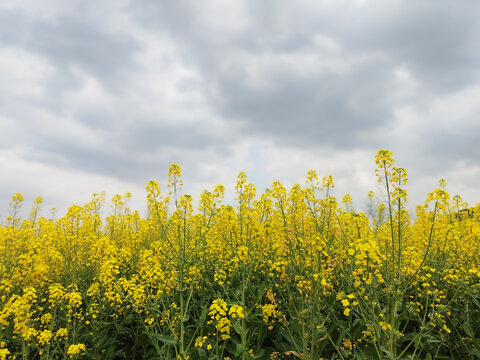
(125, 89)
(435, 42)
(331, 109)
(70, 40)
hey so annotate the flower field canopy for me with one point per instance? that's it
(284, 274)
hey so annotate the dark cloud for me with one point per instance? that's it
(131, 154)
(433, 39)
(434, 42)
(72, 41)
(182, 81)
(328, 109)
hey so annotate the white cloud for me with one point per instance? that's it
(224, 16)
(23, 74)
(126, 88)
(90, 95)
(59, 187)
(352, 170)
(263, 70)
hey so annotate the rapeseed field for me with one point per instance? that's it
(285, 274)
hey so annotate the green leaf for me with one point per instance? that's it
(166, 339)
(202, 353)
(407, 337)
(399, 306)
(468, 329)
(387, 353)
(238, 350)
(259, 354)
(264, 354)
(237, 327)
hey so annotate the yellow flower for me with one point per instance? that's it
(236, 311)
(4, 353)
(46, 318)
(385, 326)
(75, 350)
(44, 337)
(62, 332)
(199, 341)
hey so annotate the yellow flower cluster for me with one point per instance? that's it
(271, 314)
(218, 316)
(4, 353)
(348, 301)
(75, 350)
(286, 259)
(236, 311)
(202, 341)
(44, 337)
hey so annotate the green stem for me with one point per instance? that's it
(391, 222)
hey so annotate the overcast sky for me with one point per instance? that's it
(103, 96)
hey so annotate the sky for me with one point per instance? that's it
(105, 95)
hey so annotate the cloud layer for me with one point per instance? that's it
(105, 96)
